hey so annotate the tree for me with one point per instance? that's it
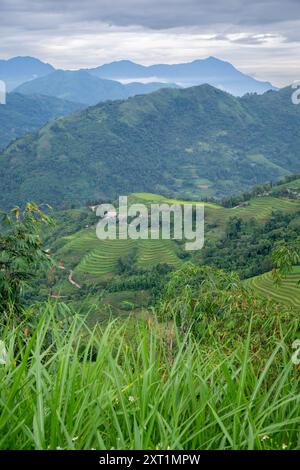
(21, 254)
(125, 264)
(233, 227)
(285, 257)
(194, 294)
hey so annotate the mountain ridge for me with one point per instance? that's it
(216, 72)
(20, 69)
(199, 71)
(196, 142)
(82, 87)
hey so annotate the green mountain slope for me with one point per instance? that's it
(23, 114)
(190, 143)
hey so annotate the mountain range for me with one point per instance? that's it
(82, 87)
(18, 70)
(193, 143)
(213, 71)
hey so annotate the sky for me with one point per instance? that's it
(259, 37)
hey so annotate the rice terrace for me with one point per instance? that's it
(288, 292)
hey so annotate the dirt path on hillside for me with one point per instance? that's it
(71, 280)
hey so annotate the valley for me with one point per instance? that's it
(124, 272)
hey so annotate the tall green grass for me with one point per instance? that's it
(142, 385)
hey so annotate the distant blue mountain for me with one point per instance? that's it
(121, 68)
(21, 69)
(81, 87)
(212, 71)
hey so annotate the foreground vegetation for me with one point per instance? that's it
(137, 385)
(208, 366)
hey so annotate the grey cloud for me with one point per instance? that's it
(219, 16)
(155, 14)
(82, 33)
(248, 39)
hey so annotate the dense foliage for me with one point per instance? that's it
(247, 245)
(23, 114)
(221, 145)
(21, 255)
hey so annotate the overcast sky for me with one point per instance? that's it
(260, 37)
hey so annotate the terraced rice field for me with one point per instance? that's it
(89, 255)
(86, 254)
(149, 198)
(103, 260)
(81, 241)
(295, 184)
(262, 207)
(259, 208)
(288, 292)
(150, 252)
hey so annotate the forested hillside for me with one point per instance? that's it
(192, 143)
(22, 114)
